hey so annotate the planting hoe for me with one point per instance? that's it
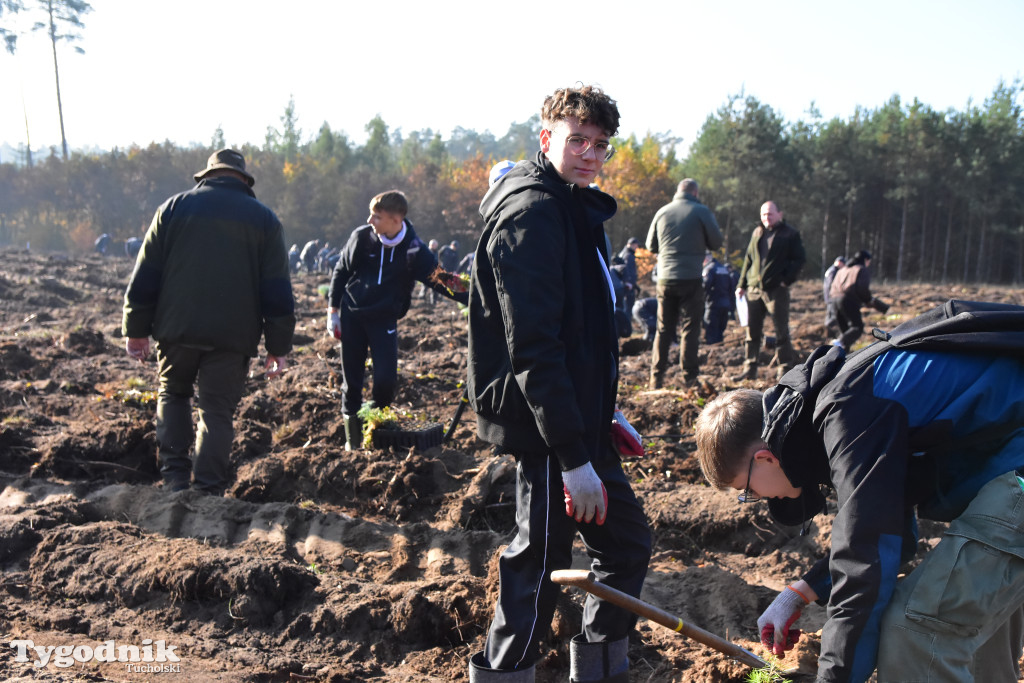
(586, 580)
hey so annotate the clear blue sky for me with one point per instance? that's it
(157, 70)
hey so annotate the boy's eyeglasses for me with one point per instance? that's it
(749, 496)
(578, 145)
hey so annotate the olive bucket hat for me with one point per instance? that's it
(225, 158)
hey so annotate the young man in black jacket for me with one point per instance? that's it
(543, 367)
(371, 289)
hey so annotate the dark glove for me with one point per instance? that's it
(625, 439)
(879, 305)
(775, 624)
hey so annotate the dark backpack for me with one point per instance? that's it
(955, 326)
(961, 326)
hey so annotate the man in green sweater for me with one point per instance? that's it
(211, 279)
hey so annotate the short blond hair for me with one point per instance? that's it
(725, 430)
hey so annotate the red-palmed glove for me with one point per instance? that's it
(775, 625)
(585, 496)
(625, 439)
(334, 324)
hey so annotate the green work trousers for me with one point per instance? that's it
(759, 305)
(220, 376)
(679, 300)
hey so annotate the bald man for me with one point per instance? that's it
(772, 263)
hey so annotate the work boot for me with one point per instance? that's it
(479, 672)
(353, 432)
(605, 662)
(656, 382)
(749, 372)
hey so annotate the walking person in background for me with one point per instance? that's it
(773, 261)
(432, 297)
(308, 255)
(851, 290)
(448, 256)
(681, 232)
(718, 299)
(543, 369)
(830, 305)
(629, 273)
(212, 277)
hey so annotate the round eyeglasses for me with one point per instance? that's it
(578, 145)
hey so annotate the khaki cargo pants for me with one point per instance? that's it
(958, 616)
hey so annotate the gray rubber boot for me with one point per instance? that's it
(605, 662)
(480, 673)
(353, 432)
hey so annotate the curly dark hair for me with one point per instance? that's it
(587, 103)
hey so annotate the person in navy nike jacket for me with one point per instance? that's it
(371, 289)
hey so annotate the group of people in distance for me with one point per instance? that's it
(932, 427)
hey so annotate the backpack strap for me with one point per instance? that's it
(962, 326)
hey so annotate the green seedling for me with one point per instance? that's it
(768, 674)
(374, 417)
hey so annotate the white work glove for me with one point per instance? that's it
(585, 496)
(775, 625)
(334, 324)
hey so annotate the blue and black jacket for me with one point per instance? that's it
(912, 425)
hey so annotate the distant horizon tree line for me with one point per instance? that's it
(935, 196)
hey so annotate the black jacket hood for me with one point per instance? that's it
(525, 176)
(790, 434)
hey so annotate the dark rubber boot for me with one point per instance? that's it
(353, 432)
(479, 672)
(605, 662)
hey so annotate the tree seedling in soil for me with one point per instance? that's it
(374, 417)
(768, 674)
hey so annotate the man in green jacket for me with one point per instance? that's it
(772, 263)
(681, 233)
(211, 278)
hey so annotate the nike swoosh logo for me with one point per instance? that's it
(391, 331)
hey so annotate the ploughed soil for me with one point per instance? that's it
(323, 565)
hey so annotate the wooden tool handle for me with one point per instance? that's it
(586, 580)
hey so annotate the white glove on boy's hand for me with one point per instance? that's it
(585, 496)
(776, 622)
(334, 324)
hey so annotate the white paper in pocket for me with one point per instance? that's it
(741, 310)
